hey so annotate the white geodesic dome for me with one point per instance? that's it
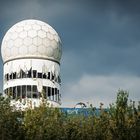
(31, 39)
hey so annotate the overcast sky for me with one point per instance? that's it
(101, 44)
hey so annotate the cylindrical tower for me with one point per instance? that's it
(31, 53)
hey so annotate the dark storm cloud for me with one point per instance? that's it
(100, 37)
(106, 41)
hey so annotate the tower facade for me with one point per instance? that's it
(31, 52)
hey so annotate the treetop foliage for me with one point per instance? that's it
(121, 121)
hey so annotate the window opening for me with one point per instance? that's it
(52, 93)
(39, 75)
(18, 91)
(29, 73)
(14, 75)
(23, 74)
(11, 76)
(28, 91)
(35, 93)
(14, 92)
(56, 94)
(49, 91)
(34, 73)
(44, 75)
(44, 92)
(7, 76)
(48, 75)
(52, 77)
(23, 91)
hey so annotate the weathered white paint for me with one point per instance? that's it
(40, 65)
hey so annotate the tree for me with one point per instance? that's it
(10, 124)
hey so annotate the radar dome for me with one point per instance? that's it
(31, 39)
